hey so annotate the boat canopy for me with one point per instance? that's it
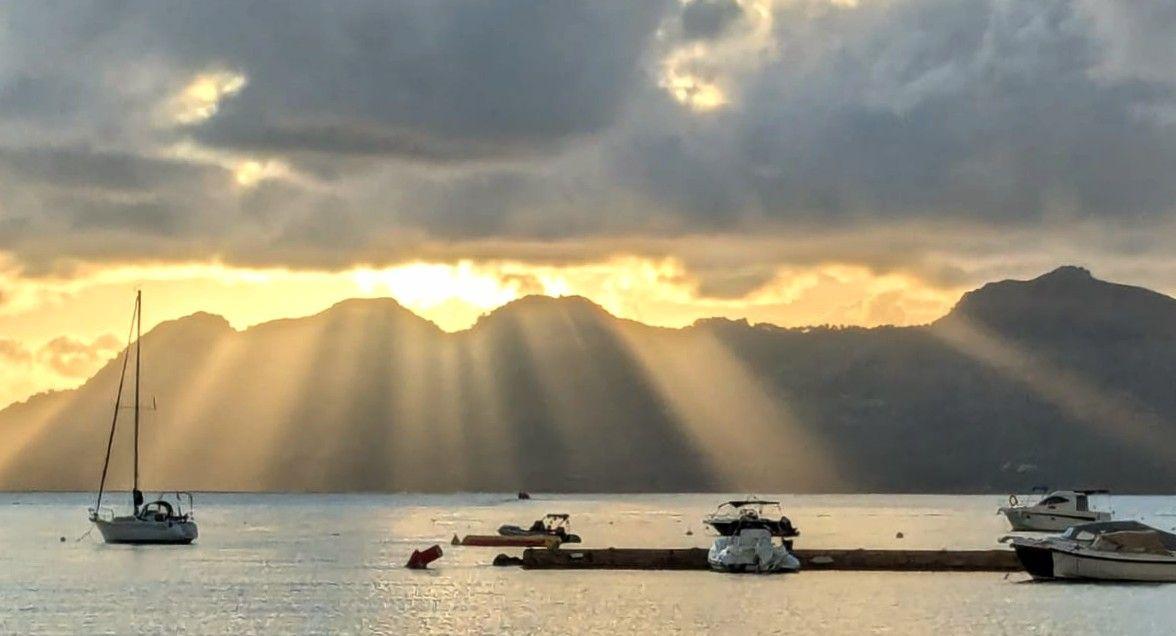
(1102, 528)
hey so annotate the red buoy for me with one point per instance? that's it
(420, 560)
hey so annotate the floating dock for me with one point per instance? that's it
(500, 541)
(1001, 560)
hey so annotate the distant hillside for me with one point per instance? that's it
(1062, 380)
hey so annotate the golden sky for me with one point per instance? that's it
(58, 331)
(786, 161)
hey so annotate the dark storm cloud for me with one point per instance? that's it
(418, 77)
(371, 77)
(424, 123)
(970, 110)
(708, 18)
(88, 167)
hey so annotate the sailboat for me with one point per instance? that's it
(157, 522)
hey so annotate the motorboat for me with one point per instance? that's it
(556, 525)
(733, 515)
(752, 538)
(1102, 551)
(156, 522)
(1055, 512)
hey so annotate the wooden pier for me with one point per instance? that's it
(1002, 560)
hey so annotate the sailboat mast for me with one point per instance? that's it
(122, 377)
(138, 358)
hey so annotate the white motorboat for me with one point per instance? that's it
(157, 522)
(1104, 551)
(751, 539)
(1055, 512)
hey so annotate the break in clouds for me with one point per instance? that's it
(909, 135)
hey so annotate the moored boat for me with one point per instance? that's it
(1103, 551)
(753, 537)
(157, 522)
(1055, 512)
(732, 515)
(551, 525)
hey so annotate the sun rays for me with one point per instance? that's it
(747, 435)
(1113, 416)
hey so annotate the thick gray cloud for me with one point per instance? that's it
(408, 126)
(708, 18)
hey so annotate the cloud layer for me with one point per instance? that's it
(324, 135)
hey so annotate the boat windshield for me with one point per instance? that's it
(1053, 500)
(752, 507)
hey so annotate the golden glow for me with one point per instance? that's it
(246, 171)
(250, 172)
(693, 91)
(201, 98)
(92, 303)
(703, 75)
(424, 287)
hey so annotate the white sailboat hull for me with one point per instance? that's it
(146, 531)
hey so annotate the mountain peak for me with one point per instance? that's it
(198, 322)
(1068, 300)
(1068, 273)
(539, 304)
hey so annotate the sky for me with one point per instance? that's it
(786, 161)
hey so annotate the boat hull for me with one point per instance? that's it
(1023, 520)
(1043, 562)
(132, 530)
(515, 531)
(1038, 562)
(1093, 566)
(755, 554)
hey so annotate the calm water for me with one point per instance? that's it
(333, 563)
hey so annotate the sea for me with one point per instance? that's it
(334, 564)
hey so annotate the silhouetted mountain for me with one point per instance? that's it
(1068, 303)
(1064, 379)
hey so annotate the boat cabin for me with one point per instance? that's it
(1078, 500)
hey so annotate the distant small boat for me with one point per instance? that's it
(1055, 512)
(1105, 551)
(157, 522)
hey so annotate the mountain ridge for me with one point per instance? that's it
(558, 394)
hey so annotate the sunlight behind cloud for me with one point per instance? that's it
(200, 99)
(250, 172)
(702, 74)
(246, 171)
(693, 91)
